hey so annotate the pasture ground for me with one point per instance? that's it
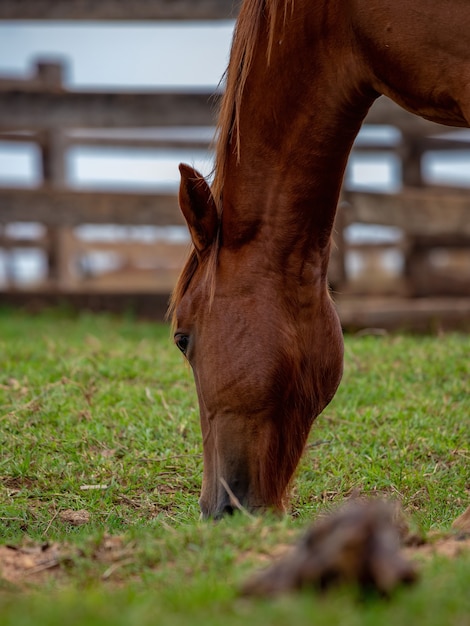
(100, 470)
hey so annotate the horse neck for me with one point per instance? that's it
(296, 130)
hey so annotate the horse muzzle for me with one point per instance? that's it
(231, 497)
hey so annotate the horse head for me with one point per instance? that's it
(265, 348)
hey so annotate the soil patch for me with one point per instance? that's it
(30, 565)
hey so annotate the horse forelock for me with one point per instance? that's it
(185, 278)
(182, 285)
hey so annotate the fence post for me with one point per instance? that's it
(412, 151)
(54, 174)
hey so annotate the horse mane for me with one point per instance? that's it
(245, 36)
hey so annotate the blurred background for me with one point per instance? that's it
(99, 104)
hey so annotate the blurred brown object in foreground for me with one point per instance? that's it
(358, 544)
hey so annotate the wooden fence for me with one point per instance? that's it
(434, 222)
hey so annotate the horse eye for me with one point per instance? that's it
(182, 342)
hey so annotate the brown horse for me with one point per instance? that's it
(251, 310)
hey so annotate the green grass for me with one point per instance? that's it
(97, 401)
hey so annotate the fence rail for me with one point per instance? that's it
(43, 110)
(118, 10)
(66, 207)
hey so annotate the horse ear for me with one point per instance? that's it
(198, 207)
